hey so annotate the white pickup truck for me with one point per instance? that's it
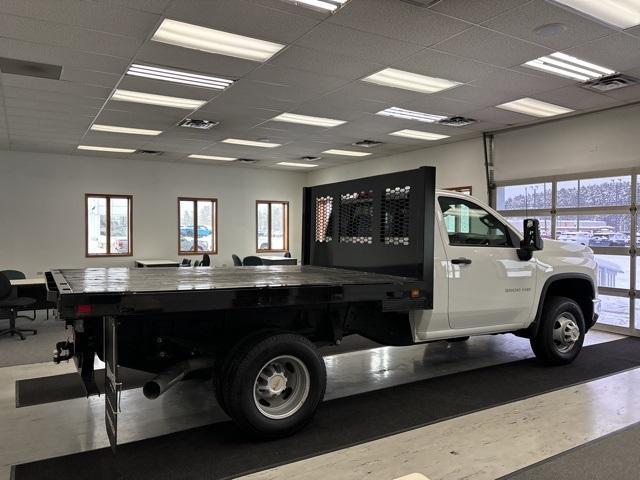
(387, 257)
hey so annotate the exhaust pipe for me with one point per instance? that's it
(167, 379)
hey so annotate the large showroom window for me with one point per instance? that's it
(108, 225)
(595, 210)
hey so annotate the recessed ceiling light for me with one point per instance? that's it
(620, 13)
(417, 134)
(390, 77)
(177, 76)
(536, 108)
(294, 164)
(250, 143)
(106, 149)
(212, 157)
(214, 41)
(322, 5)
(133, 131)
(346, 153)
(411, 115)
(567, 66)
(153, 99)
(308, 120)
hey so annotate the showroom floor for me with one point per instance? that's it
(486, 444)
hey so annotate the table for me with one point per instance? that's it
(156, 263)
(35, 288)
(277, 260)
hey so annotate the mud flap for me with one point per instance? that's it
(111, 384)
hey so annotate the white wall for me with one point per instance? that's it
(42, 206)
(599, 141)
(457, 164)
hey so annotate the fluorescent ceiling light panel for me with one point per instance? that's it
(619, 13)
(293, 164)
(567, 66)
(132, 131)
(411, 115)
(250, 143)
(212, 157)
(106, 149)
(308, 120)
(535, 108)
(346, 153)
(390, 77)
(418, 135)
(214, 41)
(153, 99)
(322, 5)
(177, 76)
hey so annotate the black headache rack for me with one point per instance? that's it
(380, 224)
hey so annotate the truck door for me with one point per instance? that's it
(488, 285)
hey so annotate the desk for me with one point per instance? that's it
(156, 263)
(277, 260)
(35, 288)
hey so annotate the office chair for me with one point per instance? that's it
(287, 254)
(236, 260)
(252, 261)
(18, 275)
(196, 263)
(185, 262)
(13, 304)
(206, 260)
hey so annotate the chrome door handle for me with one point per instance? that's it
(461, 261)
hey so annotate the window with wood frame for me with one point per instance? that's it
(197, 226)
(108, 225)
(272, 226)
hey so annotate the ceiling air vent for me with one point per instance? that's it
(457, 121)
(367, 143)
(612, 82)
(199, 124)
(30, 69)
(310, 158)
(149, 153)
(246, 161)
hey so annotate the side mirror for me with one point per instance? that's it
(532, 239)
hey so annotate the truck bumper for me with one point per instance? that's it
(596, 311)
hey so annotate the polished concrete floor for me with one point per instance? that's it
(42, 431)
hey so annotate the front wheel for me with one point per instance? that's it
(274, 385)
(561, 332)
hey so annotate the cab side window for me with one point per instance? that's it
(469, 224)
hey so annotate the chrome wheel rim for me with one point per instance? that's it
(566, 332)
(281, 387)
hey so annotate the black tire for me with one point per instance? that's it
(221, 370)
(548, 349)
(242, 374)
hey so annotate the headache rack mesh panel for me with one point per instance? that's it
(356, 217)
(324, 220)
(394, 218)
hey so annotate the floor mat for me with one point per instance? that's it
(612, 457)
(221, 451)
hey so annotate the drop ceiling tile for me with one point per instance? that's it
(53, 97)
(628, 94)
(498, 115)
(476, 97)
(318, 108)
(61, 56)
(487, 46)
(68, 36)
(575, 97)
(114, 19)
(153, 6)
(517, 83)
(161, 54)
(521, 22)
(287, 77)
(47, 85)
(476, 11)
(315, 61)
(328, 37)
(148, 111)
(436, 105)
(398, 20)
(242, 18)
(89, 77)
(104, 139)
(140, 119)
(290, 8)
(31, 104)
(618, 51)
(442, 65)
(259, 95)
